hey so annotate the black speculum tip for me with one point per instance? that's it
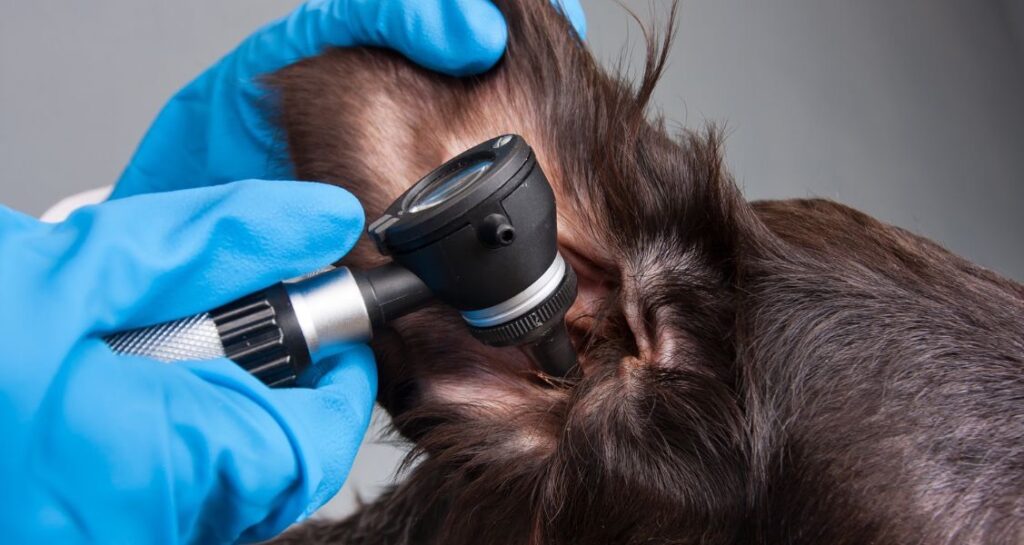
(554, 352)
(541, 332)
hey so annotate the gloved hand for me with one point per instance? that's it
(101, 448)
(214, 130)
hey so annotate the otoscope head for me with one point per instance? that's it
(480, 231)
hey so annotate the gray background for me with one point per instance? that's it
(912, 110)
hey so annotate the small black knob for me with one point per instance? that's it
(496, 231)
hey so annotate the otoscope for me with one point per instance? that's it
(478, 234)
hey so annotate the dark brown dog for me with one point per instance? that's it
(770, 372)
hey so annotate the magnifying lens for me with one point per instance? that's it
(478, 233)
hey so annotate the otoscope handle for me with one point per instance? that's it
(275, 333)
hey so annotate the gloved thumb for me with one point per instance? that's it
(332, 418)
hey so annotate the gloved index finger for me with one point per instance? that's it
(452, 36)
(151, 258)
(333, 418)
(457, 37)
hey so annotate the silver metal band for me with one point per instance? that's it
(521, 303)
(330, 310)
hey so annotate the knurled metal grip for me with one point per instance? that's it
(192, 338)
(259, 332)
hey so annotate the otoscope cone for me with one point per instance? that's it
(554, 352)
(541, 331)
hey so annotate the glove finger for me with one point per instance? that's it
(457, 37)
(453, 36)
(151, 258)
(334, 417)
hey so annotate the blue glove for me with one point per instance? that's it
(100, 448)
(214, 130)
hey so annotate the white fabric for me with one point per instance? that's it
(60, 211)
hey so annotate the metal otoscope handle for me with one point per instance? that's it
(275, 333)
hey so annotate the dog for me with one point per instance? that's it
(749, 372)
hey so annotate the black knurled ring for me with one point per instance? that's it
(254, 331)
(518, 330)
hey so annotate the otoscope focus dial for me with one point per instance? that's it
(542, 330)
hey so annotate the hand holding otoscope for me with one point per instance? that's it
(478, 233)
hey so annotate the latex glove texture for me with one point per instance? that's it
(100, 448)
(215, 130)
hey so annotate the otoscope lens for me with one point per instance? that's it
(447, 186)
